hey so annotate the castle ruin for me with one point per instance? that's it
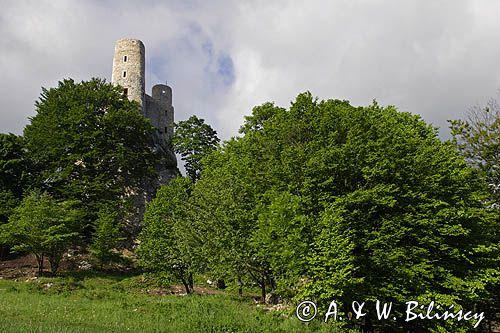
(129, 73)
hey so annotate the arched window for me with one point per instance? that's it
(125, 58)
(124, 73)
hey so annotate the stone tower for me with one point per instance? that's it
(129, 68)
(129, 73)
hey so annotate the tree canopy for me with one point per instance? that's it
(330, 201)
(89, 142)
(478, 139)
(44, 227)
(162, 247)
(13, 173)
(193, 139)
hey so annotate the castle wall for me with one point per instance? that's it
(160, 110)
(129, 72)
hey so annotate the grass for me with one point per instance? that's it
(116, 304)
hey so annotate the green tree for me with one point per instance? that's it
(90, 143)
(161, 248)
(42, 226)
(478, 139)
(13, 171)
(326, 200)
(193, 139)
(13, 175)
(106, 237)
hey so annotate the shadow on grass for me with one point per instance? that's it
(112, 274)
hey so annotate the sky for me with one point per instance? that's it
(221, 58)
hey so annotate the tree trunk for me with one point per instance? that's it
(190, 281)
(3, 252)
(221, 284)
(263, 288)
(54, 265)
(39, 261)
(240, 287)
(186, 286)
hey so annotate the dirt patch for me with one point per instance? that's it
(20, 267)
(26, 266)
(179, 290)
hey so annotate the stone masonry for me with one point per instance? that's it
(129, 73)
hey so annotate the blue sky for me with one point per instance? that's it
(221, 58)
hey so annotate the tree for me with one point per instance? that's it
(161, 248)
(13, 175)
(13, 171)
(42, 226)
(106, 237)
(478, 139)
(89, 143)
(194, 139)
(329, 201)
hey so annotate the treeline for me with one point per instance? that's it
(322, 201)
(325, 201)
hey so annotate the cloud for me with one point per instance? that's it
(222, 57)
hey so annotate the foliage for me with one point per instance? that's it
(89, 142)
(106, 237)
(161, 246)
(194, 139)
(326, 200)
(478, 139)
(42, 226)
(13, 173)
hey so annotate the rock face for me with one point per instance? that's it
(129, 73)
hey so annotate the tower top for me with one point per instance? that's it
(129, 40)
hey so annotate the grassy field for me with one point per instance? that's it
(118, 304)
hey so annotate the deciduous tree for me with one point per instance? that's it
(43, 227)
(107, 236)
(478, 138)
(90, 143)
(193, 139)
(162, 248)
(364, 203)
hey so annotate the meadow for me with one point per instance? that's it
(125, 304)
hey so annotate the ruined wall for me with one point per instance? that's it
(159, 110)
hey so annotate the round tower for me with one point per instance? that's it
(162, 95)
(128, 68)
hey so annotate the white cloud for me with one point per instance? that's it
(432, 58)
